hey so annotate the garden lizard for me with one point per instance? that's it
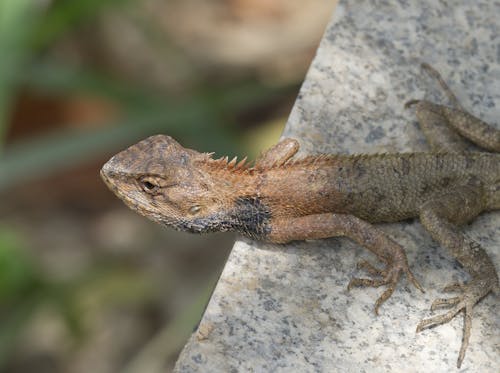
(281, 198)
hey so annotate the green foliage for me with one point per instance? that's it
(208, 112)
(205, 110)
(17, 275)
(12, 51)
(25, 28)
(24, 288)
(64, 15)
(19, 285)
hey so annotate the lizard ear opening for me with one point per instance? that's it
(195, 209)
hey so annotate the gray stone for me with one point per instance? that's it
(286, 308)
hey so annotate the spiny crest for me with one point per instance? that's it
(243, 166)
(223, 163)
(311, 160)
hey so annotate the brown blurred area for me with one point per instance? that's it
(90, 286)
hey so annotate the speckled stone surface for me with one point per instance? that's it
(286, 308)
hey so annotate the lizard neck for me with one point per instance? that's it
(237, 203)
(230, 180)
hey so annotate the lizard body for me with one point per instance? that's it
(281, 199)
(376, 188)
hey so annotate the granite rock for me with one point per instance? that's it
(286, 308)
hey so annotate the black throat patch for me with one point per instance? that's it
(249, 217)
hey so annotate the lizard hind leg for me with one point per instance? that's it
(446, 128)
(448, 92)
(439, 135)
(433, 123)
(439, 215)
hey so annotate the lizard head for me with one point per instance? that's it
(162, 180)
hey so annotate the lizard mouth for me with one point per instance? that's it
(108, 180)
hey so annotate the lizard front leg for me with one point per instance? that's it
(439, 216)
(278, 154)
(334, 225)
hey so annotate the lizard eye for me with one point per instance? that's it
(149, 186)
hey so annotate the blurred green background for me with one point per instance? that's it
(85, 284)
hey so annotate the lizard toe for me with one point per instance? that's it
(390, 277)
(371, 269)
(469, 295)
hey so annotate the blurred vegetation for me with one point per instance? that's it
(24, 289)
(20, 290)
(210, 110)
(205, 117)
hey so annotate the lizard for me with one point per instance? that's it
(282, 198)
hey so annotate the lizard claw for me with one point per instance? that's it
(410, 103)
(390, 277)
(471, 293)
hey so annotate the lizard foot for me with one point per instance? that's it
(471, 293)
(390, 277)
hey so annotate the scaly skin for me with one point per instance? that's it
(282, 199)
